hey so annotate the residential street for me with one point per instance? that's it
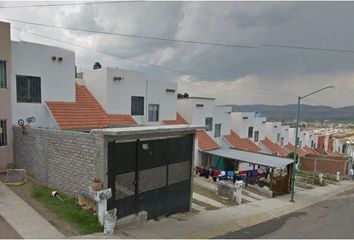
(329, 219)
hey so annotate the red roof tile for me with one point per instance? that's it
(274, 148)
(310, 150)
(291, 148)
(205, 142)
(241, 143)
(85, 113)
(179, 120)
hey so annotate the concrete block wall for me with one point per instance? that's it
(64, 160)
(326, 164)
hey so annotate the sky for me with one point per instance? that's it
(232, 75)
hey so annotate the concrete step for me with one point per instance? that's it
(253, 195)
(207, 200)
(198, 207)
(248, 199)
(204, 183)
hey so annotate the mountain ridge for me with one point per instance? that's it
(307, 112)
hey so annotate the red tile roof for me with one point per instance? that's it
(85, 113)
(179, 120)
(310, 150)
(205, 142)
(274, 148)
(241, 143)
(291, 148)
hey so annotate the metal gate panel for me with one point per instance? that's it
(179, 172)
(124, 185)
(154, 178)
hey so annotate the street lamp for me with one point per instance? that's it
(296, 138)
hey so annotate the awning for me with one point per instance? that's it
(251, 157)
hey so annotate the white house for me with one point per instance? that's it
(311, 139)
(301, 134)
(40, 73)
(120, 91)
(273, 131)
(202, 111)
(284, 136)
(249, 125)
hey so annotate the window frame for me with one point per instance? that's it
(157, 110)
(208, 127)
(3, 134)
(137, 112)
(250, 132)
(256, 135)
(217, 126)
(5, 74)
(28, 98)
(278, 137)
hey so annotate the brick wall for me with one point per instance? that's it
(65, 160)
(326, 164)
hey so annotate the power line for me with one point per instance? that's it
(309, 48)
(274, 92)
(135, 36)
(65, 4)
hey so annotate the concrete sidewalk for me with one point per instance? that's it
(23, 218)
(214, 223)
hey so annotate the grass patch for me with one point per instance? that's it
(83, 221)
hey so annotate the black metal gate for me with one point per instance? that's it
(151, 175)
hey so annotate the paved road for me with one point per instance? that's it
(329, 219)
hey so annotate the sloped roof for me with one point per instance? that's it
(274, 147)
(291, 148)
(205, 142)
(85, 113)
(179, 120)
(251, 157)
(310, 150)
(241, 143)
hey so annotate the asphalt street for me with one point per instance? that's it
(332, 218)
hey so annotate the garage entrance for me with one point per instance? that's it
(150, 175)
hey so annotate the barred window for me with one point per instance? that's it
(153, 112)
(3, 76)
(217, 130)
(137, 107)
(209, 124)
(3, 133)
(28, 89)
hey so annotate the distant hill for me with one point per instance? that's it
(308, 112)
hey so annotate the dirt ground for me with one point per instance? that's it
(24, 192)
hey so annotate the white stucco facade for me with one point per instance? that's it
(311, 139)
(284, 136)
(57, 79)
(273, 131)
(242, 121)
(301, 134)
(113, 88)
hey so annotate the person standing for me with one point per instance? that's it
(351, 174)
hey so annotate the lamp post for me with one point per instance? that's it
(297, 138)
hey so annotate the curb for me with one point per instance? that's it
(258, 218)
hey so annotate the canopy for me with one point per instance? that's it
(251, 157)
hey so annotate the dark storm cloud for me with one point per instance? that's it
(309, 24)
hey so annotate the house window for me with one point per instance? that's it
(153, 112)
(256, 136)
(250, 132)
(278, 137)
(217, 132)
(3, 76)
(282, 141)
(137, 108)
(28, 89)
(209, 124)
(3, 133)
